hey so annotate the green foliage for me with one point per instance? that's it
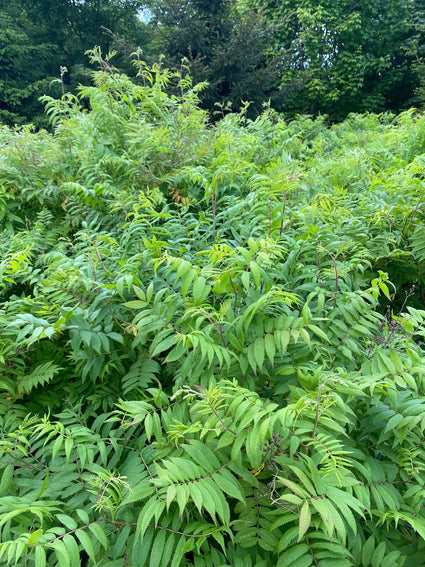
(296, 55)
(338, 57)
(211, 350)
(223, 42)
(25, 68)
(42, 43)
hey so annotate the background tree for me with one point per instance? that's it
(416, 49)
(26, 67)
(40, 36)
(222, 42)
(304, 56)
(341, 56)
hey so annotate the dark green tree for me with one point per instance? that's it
(222, 42)
(74, 26)
(341, 56)
(416, 50)
(25, 67)
(38, 37)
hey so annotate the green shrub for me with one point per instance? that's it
(198, 366)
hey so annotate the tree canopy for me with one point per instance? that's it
(344, 56)
(299, 56)
(40, 37)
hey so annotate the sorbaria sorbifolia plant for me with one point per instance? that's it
(212, 337)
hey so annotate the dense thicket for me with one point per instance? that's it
(301, 56)
(211, 346)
